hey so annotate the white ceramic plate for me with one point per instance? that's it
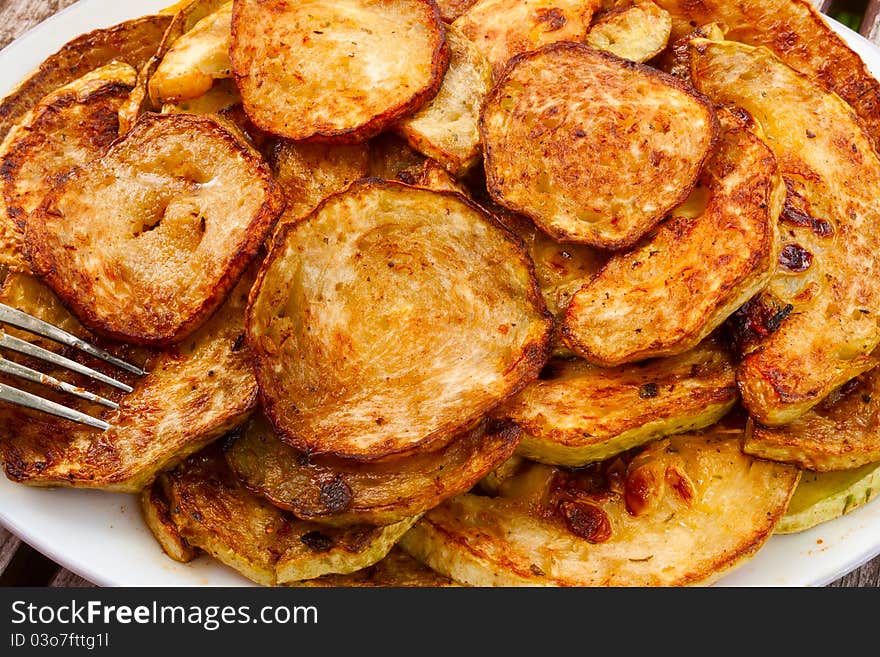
(102, 537)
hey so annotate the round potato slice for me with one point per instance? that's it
(338, 491)
(684, 510)
(338, 70)
(594, 148)
(446, 128)
(681, 282)
(144, 243)
(392, 318)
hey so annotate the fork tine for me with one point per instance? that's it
(28, 349)
(26, 399)
(22, 320)
(16, 369)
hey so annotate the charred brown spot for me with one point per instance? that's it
(553, 19)
(679, 481)
(755, 320)
(798, 216)
(648, 391)
(796, 258)
(586, 520)
(743, 116)
(239, 342)
(317, 541)
(335, 495)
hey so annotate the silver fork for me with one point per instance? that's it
(12, 317)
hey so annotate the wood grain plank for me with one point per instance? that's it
(870, 28)
(18, 16)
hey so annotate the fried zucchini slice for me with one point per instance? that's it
(829, 160)
(338, 492)
(132, 42)
(144, 243)
(680, 283)
(346, 69)
(157, 516)
(504, 28)
(446, 128)
(577, 413)
(683, 510)
(377, 329)
(824, 496)
(398, 569)
(214, 512)
(841, 433)
(638, 32)
(593, 148)
(186, 15)
(68, 128)
(799, 36)
(192, 394)
(195, 60)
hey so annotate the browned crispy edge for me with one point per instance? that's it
(534, 355)
(133, 41)
(43, 262)
(561, 235)
(360, 133)
(404, 507)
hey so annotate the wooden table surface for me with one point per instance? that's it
(22, 565)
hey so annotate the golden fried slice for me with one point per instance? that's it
(577, 413)
(398, 569)
(446, 128)
(684, 510)
(145, 243)
(681, 282)
(833, 282)
(192, 394)
(132, 42)
(839, 434)
(157, 516)
(337, 70)
(593, 148)
(799, 36)
(68, 128)
(637, 32)
(214, 512)
(824, 496)
(195, 60)
(377, 329)
(504, 28)
(186, 15)
(339, 492)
